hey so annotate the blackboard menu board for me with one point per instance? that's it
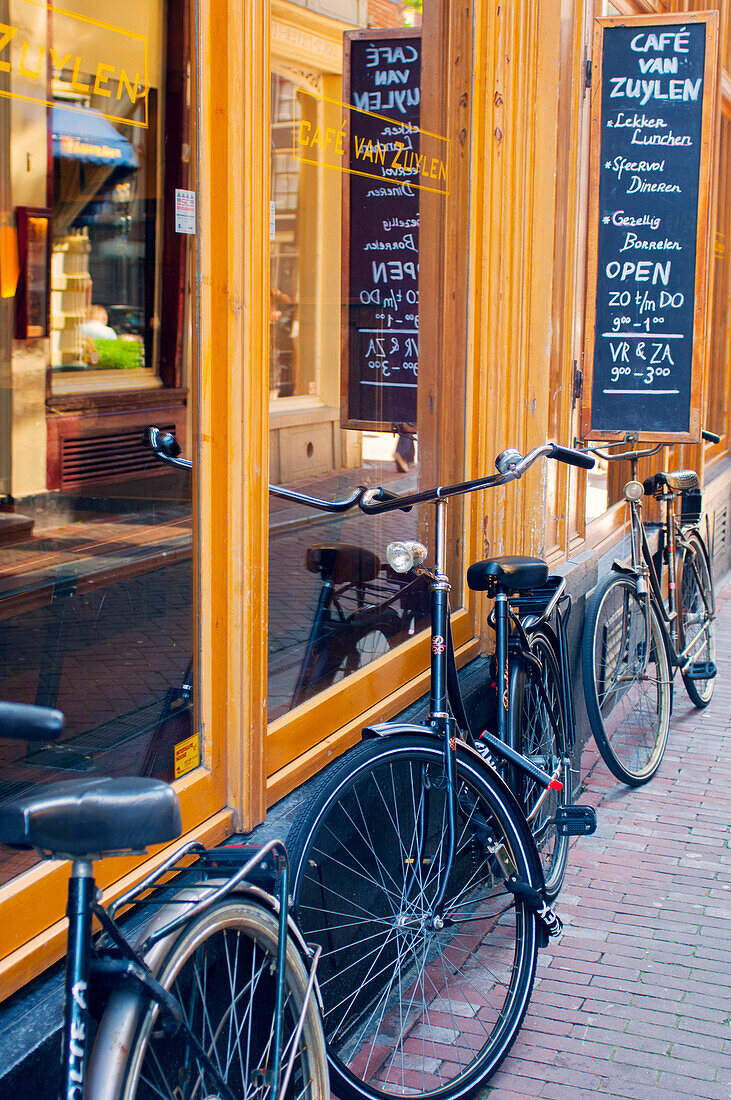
(380, 276)
(651, 134)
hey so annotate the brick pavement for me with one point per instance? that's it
(634, 1000)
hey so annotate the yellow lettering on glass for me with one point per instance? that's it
(75, 82)
(103, 73)
(59, 64)
(24, 70)
(7, 33)
(385, 157)
(88, 72)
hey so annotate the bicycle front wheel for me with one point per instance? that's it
(221, 970)
(537, 729)
(627, 682)
(697, 627)
(416, 1003)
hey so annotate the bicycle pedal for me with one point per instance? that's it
(575, 820)
(701, 670)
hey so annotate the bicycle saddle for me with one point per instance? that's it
(678, 481)
(341, 562)
(513, 573)
(88, 818)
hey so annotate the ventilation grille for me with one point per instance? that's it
(113, 457)
(720, 532)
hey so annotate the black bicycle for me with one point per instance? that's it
(415, 867)
(635, 639)
(214, 995)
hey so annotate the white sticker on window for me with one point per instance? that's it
(184, 211)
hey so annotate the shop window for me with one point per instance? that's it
(96, 604)
(355, 297)
(717, 391)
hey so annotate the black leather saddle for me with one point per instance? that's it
(88, 818)
(341, 562)
(511, 573)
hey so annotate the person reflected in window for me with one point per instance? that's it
(96, 326)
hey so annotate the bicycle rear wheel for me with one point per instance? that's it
(696, 604)
(538, 730)
(348, 646)
(413, 1005)
(627, 681)
(221, 969)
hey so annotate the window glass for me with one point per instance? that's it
(95, 535)
(359, 160)
(717, 396)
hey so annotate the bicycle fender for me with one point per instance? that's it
(695, 529)
(388, 729)
(394, 729)
(627, 570)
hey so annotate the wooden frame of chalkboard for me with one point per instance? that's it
(652, 131)
(354, 412)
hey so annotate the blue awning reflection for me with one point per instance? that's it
(85, 135)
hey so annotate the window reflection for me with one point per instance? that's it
(95, 535)
(334, 606)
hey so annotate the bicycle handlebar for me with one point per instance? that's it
(709, 437)
(573, 458)
(317, 502)
(167, 448)
(29, 723)
(510, 463)
(511, 467)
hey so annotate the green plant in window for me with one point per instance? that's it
(119, 354)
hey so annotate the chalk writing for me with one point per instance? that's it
(382, 289)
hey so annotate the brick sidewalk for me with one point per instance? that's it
(634, 1000)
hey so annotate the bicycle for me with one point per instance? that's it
(216, 995)
(416, 869)
(635, 640)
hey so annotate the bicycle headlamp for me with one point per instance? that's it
(404, 556)
(634, 491)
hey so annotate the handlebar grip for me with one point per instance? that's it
(163, 444)
(27, 723)
(573, 458)
(710, 437)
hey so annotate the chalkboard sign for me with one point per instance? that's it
(380, 271)
(652, 107)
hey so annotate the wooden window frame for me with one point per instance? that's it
(33, 903)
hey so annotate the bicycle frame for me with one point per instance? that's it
(643, 567)
(82, 962)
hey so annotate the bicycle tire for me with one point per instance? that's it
(223, 959)
(537, 728)
(350, 645)
(368, 858)
(629, 709)
(695, 594)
